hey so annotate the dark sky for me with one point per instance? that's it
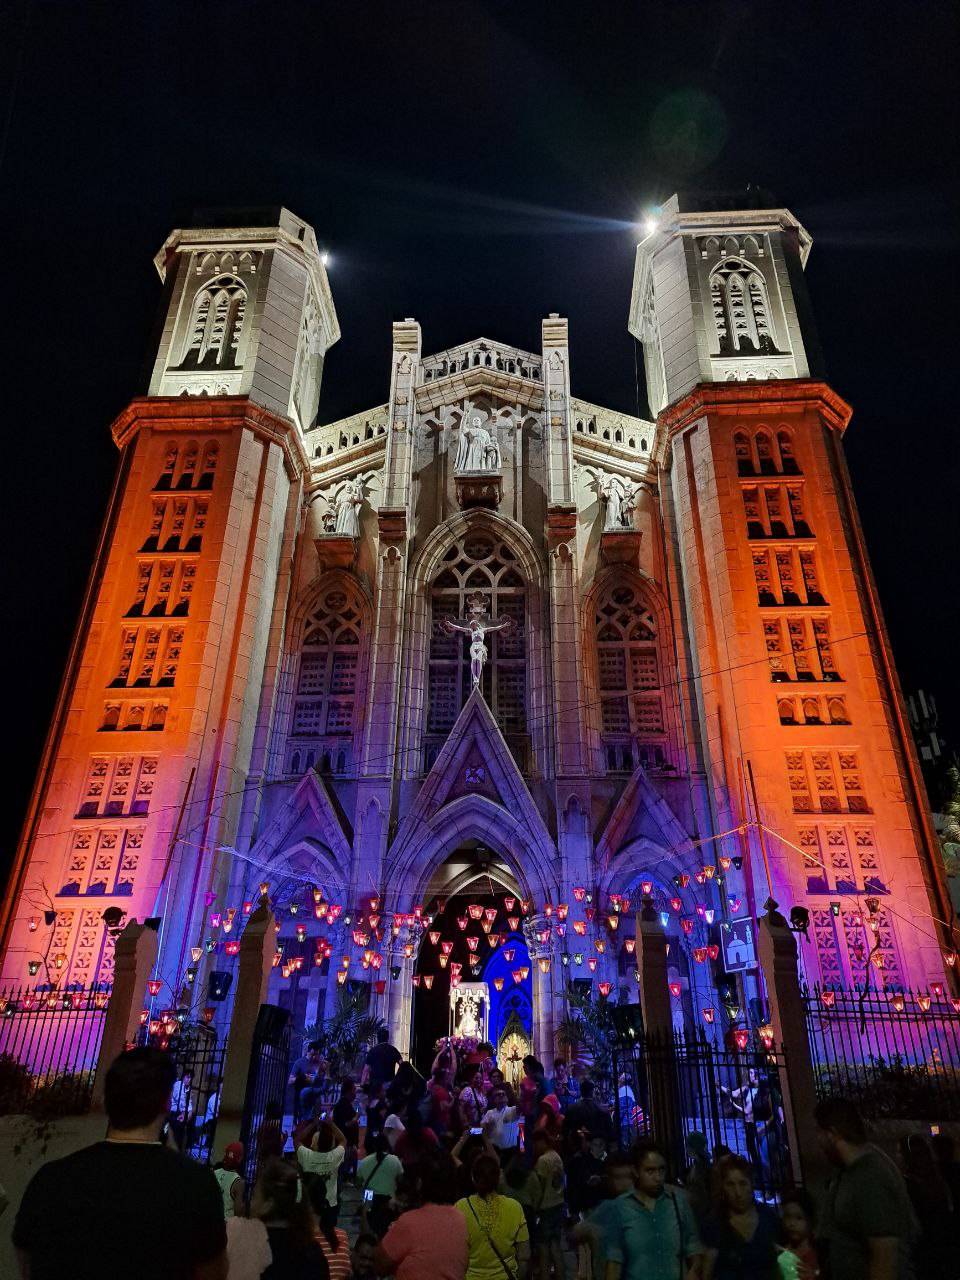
(475, 165)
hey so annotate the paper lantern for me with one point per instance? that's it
(676, 904)
(144, 1017)
(631, 945)
(544, 963)
(416, 979)
(741, 1038)
(675, 989)
(590, 912)
(592, 964)
(486, 926)
(725, 862)
(562, 910)
(428, 980)
(472, 944)
(509, 903)
(578, 958)
(686, 924)
(525, 906)
(600, 944)
(766, 1035)
(936, 989)
(215, 919)
(713, 951)
(579, 893)
(490, 913)
(560, 930)
(462, 922)
(548, 909)
(514, 923)
(493, 939)
(709, 870)
(342, 976)
(517, 975)
(708, 1014)
(613, 921)
(828, 999)
(456, 967)
(735, 904)
(580, 927)
(434, 936)
(446, 947)
(950, 957)
(209, 898)
(923, 1003)
(444, 961)
(604, 989)
(498, 984)
(525, 971)
(474, 911)
(155, 1025)
(955, 1004)
(33, 924)
(709, 914)
(646, 888)
(154, 985)
(232, 948)
(408, 949)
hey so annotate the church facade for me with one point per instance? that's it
(483, 654)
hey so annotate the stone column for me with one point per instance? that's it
(135, 956)
(778, 959)
(663, 1099)
(257, 947)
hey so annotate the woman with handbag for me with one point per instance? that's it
(496, 1227)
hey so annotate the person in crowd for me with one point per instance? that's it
(272, 1137)
(631, 1114)
(468, 1148)
(652, 1235)
(437, 1102)
(363, 1256)
(867, 1221)
(393, 1128)
(279, 1203)
(488, 1062)
(519, 1182)
(428, 1242)
(533, 1088)
(376, 1112)
(588, 1116)
(593, 1231)
(548, 1240)
(320, 1152)
(248, 1248)
(404, 1090)
(721, 1154)
(230, 1180)
(585, 1166)
(697, 1176)
(416, 1140)
(307, 1081)
(501, 1123)
(798, 1256)
(378, 1175)
(382, 1061)
(934, 1251)
(207, 1122)
(740, 1235)
(471, 1104)
(88, 1215)
(549, 1121)
(497, 1231)
(347, 1119)
(499, 1081)
(182, 1106)
(335, 1245)
(561, 1086)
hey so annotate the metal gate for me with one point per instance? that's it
(266, 1083)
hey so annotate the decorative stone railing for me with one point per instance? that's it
(348, 433)
(593, 422)
(482, 355)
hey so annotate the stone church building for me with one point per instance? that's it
(461, 678)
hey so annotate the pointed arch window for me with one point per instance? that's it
(327, 680)
(631, 696)
(213, 338)
(479, 563)
(741, 310)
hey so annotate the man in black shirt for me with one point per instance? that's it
(382, 1061)
(587, 1116)
(129, 1204)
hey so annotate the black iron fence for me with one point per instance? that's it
(261, 1127)
(198, 1056)
(895, 1054)
(49, 1046)
(675, 1086)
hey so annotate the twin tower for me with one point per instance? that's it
(700, 673)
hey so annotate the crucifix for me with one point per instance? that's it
(476, 628)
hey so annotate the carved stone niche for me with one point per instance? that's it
(479, 489)
(335, 550)
(621, 546)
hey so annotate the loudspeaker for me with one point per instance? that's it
(218, 984)
(271, 1021)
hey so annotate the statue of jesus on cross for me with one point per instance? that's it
(476, 628)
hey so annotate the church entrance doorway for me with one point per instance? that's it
(472, 979)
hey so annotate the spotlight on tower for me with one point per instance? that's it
(325, 259)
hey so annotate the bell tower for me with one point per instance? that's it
(148, 755)
(802, 721)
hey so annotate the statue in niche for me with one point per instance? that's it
(347, 509)
(477, 449)
(476, 628)
(620, 496)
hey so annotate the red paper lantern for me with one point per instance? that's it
(828, 999)
(498, 984)
(434, 936)
(514, 923)
(708, 1014)
(428, 980)
(713, 951)
(416, 979)
(517, 975)
(154, 985)
(462, 922)
(579, 893)
(475, 910)
(604, 989)
(592, 964)
(741, 1038)
(446, 947)
(675, 989)
(381, 986)
(509, 953)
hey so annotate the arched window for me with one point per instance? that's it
(631, 696)
(741, 445)
(211, 456)
(741, 310)
(213, 339)
(765, 454)
(327, 674)
(788, 461)
(479, 564)
(787, 711)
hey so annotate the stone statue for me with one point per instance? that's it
(476, 629)
(477, 450)
(620, 496)
(348, 503)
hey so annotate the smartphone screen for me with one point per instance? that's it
(477, 1130)
(368, 1196)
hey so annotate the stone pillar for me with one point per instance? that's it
(778, 959)
(663, 1098)
(135, 956)
(257, 948)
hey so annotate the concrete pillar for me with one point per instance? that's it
(663, 1099)
(257, 948)
(778, 959)
(135, 956)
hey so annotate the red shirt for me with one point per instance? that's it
(429, 1244)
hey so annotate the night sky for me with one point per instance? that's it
(476, 166)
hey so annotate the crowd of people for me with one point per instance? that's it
(463, 1177)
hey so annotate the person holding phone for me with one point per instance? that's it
(378, 1175)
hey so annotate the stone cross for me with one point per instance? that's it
(476, 628)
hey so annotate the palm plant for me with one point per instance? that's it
(588, 1025)
(345, 1034)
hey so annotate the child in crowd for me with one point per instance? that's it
(592, 1232)
(798, 1257)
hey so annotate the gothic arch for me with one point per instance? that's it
(310, 599)
(620, 576)
(425, 568)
